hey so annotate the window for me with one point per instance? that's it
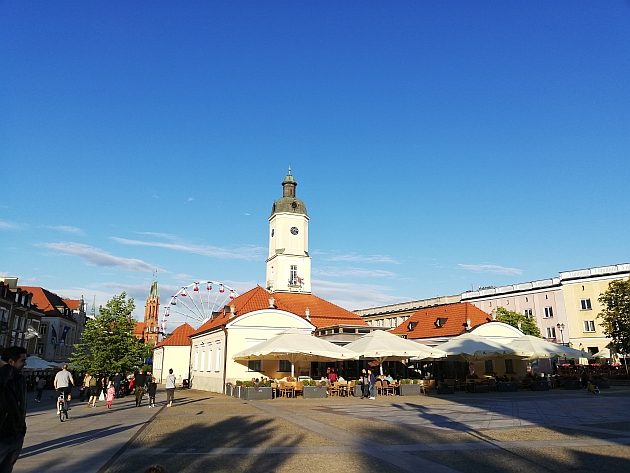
(548, 312)
(551, 332)
(509, 366)
(196, 363)
(254, 365)
(284, 366)
(43, 330)
(217, 359)
(293, 277)
(489, 366)
(585, 304)
(411, 325)
(528, 312)
(589, 325)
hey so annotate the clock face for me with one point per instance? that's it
(294, 230)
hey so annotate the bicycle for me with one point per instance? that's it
(62, 406)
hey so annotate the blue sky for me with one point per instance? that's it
(438, 146)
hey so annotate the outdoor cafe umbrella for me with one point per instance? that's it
(603, 353)
(36, 363)
(532, 347)
(381, 345)
(471, 346)
(295, 345)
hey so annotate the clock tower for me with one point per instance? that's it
(288, 263)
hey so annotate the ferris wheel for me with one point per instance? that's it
(195, 304)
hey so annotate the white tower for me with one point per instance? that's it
(288, 264)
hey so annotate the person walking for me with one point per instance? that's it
(141, 381)
(372, 384)
(365, 384)
(111, 394)
(152, 389)
(117, 381)
(170, 388)
(41, 384)
(92, 386)
(12, 406)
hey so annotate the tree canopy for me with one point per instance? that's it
(525, 323)
(108, 344)
(615, 314)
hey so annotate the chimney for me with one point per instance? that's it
(272, 303)
(232, 311)
(307, 313)
(468, 324)
(494, 314)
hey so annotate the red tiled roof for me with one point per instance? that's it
(322, 312)
(73, 304)
(45, 300)
(138, 330)
(456, 316)
(179, 337)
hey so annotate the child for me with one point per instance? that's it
(152, 390)
(111, 394)
(592, 387)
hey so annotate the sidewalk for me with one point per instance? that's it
(85, 442)
(533, 432)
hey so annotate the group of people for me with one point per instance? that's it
(13, 397)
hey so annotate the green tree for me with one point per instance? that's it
(108, 344)
(615, 314)
(525, 323)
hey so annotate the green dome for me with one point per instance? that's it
(289, 205)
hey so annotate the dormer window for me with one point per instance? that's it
(440, 321)
(411, 326)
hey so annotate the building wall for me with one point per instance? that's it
(552, 302)
(545, 304)
(212, 362)
(176, 358)
(584, 329)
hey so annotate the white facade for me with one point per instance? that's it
(176, 358)
(211, 355)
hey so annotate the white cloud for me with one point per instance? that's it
(190, 199)
(491, 268)
(248, 253)
(353, 272)
(165, 236)
(99, 257)
(353, 296)
(65, 229)
(4, 225)
(363, 258)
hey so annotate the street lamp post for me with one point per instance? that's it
(561, 328)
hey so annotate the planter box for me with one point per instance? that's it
(255, 394)
(314, 392)
(507, 386)
(572, 384)
(409, 389)
(540, 386)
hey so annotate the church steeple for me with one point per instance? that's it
(151, 315)
(288, 264)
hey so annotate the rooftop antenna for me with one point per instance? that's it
(94, 307)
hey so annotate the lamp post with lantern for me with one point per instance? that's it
(561, 328)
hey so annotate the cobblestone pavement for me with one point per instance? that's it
(84, 443)
(465, 432)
